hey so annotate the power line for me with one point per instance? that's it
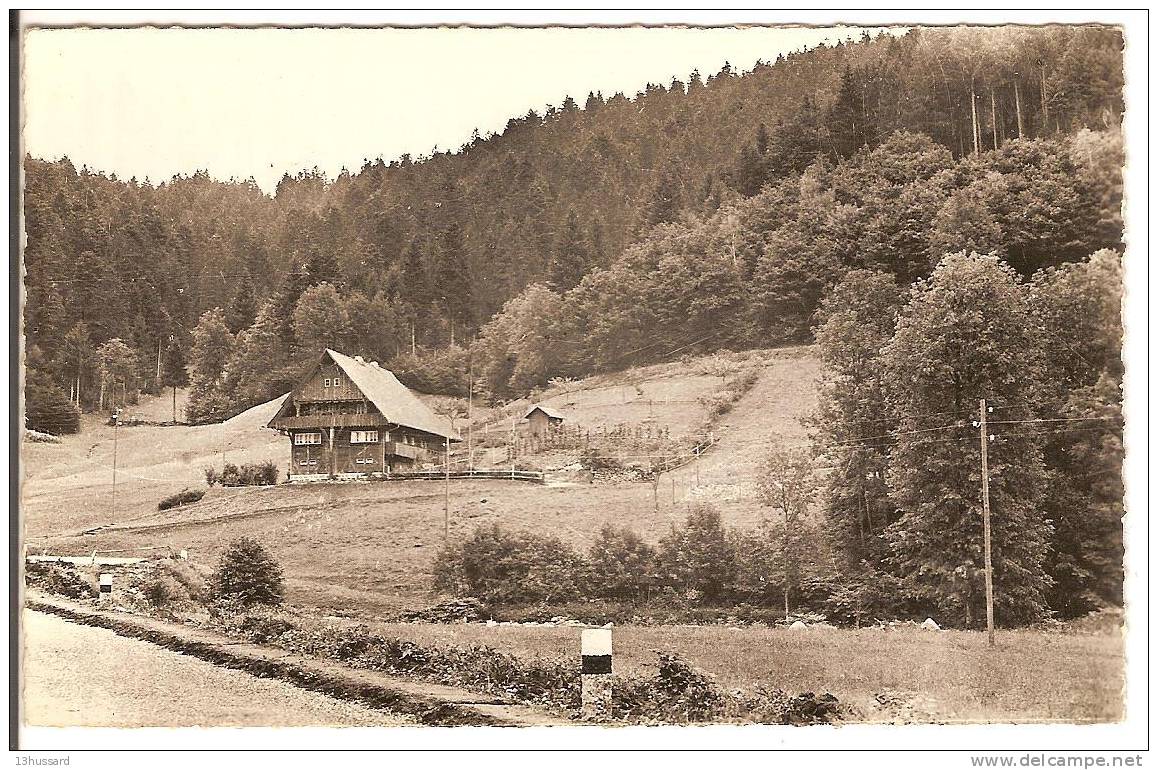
(1053, 419)
(906, 417)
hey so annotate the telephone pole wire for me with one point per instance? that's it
(985, 521)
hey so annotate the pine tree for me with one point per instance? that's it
(413, 287)
(76, 360)
(243, 308)
(452, 282)
(762, 139)
(857, 318)
(570, 258)
(320, 322)
(46, 407)
(212, 349)
(749, 171)
(666, 198)
(174, 373)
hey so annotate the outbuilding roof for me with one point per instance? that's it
(554, 415)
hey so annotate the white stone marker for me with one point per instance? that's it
(596, 669)
(106, 586)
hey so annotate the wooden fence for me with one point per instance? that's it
(535, 477)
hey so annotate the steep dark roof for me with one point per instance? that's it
(393, 399)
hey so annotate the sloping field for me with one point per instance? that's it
(369, 546)
(70, 485)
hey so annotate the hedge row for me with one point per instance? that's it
(677, 694)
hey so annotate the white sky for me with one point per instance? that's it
(153, 102)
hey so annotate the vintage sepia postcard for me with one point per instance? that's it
(584, 373)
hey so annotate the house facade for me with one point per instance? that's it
(351, 418)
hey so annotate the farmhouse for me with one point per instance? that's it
(351, 418)
(542, 419)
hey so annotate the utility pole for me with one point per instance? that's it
(470, 411)
(116, 423)
(446, 496)
(985, 523)
(512, 445)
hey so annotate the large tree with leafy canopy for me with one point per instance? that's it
(967, 333)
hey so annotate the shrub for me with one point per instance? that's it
(596, 459)
(496, 565)
(183, 497)
(697, 558)
(679, 693)
(248, 475)
(162, 590)
(248, 574)
(59, 579)
(720, 403)
(776, 707)
(193, 581)
(759, 576)
(261, 474)
(265, 628)
(47, 408)
(867, 597)
(621, 565)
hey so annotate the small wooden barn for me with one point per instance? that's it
(542, 419)
(350, 418)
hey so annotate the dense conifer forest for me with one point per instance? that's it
(610, 229)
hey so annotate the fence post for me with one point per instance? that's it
(596, 670)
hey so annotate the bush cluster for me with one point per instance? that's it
(248, 475)
(175, 582)
(721, 402)
(184, 497)
(698, 564)
(59, 579)
(678, 692)
(247, 574)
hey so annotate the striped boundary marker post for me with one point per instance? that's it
(106, 586)
(595, 669)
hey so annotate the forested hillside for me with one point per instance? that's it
(607, 230)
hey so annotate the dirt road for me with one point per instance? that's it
(83, 676)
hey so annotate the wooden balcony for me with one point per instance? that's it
(330, 420)
(404, 450)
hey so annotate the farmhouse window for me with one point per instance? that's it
(326, 383)
(301, 439)
(337, 382)
(363, 437)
